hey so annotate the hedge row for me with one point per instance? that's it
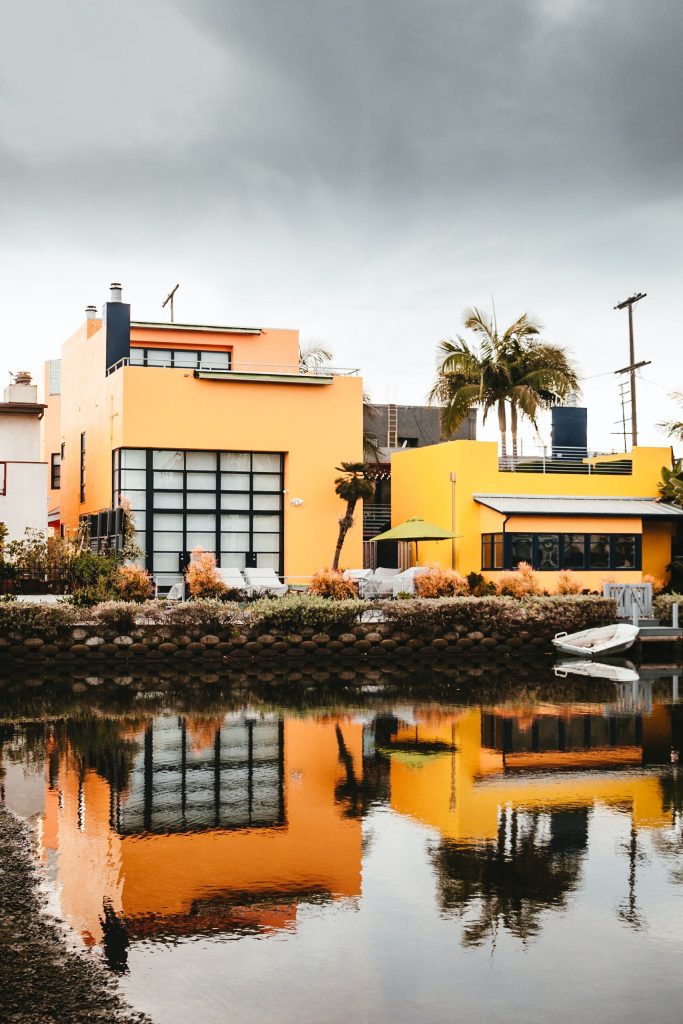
(497, 617)
(663, 607)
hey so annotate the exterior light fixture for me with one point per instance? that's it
(296, 502)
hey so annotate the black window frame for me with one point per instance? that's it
(611, 539)
(492, 552)
(216, 509)
(146, 352)
(55, 471)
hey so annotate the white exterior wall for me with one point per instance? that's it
(25, 478)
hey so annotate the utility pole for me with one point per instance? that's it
(631, 368)
(169, 299)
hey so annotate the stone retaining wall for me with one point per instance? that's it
(376, 640)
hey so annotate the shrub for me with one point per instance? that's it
(201, 577)
(89, 577)
(131, 583)
(117, 615)
(208, 615)
(294, 612)
(480, 587)
(658, 584)
(330, 583)
(19, 620)
(520, 582)
(499, 617)
(438, 582)
(567, 583)
(663, 608)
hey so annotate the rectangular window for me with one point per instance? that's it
(548, 551)
(522, 548)
(82, 467)
(624, 552)
(574, 551)
(599, 551)
(55, 471)
(492, 551)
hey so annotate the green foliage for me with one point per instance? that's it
(480, 587)
(209, 615)
(21, 619)
(352, 486)
(120, 616)
(671, 487)
(294, 612)
(515, 368)
(500, 617)
(663, 606)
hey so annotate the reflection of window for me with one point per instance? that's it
(599, 551)
(522, 548)
(574, 551)
(55, 471)
(492, 551)
(548, 551)
(624, 552)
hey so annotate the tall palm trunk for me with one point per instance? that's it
(513, 428)
(345, 524)
(502, 426)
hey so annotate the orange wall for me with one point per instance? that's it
(318, 848)
(317, 426)
(272, 346)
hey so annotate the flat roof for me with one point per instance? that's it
(564, 505)
(212, 329)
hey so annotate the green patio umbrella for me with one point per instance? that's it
(416, 529)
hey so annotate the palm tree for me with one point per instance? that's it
(515, 368)
(674, 428)
(353, 486)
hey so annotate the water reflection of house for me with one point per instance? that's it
(551, 758)
(231, 834)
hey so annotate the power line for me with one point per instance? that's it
(631, 368)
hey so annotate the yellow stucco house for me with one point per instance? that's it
(215, 437)
(596, 515)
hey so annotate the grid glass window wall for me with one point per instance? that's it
(228, 503)
(548, 552)
(188, 359)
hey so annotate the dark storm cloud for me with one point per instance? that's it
(384, 108)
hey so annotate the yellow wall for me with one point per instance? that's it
(316, 426)
(460, 793)
(421, 486)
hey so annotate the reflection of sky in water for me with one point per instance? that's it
(395, 958)
(511, 863)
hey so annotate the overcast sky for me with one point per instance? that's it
(359, 169)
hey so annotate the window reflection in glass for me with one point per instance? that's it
(599, 551)
(548, 551)
(522, 548)
(574, 552)
(624, 552)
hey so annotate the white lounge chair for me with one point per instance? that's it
(404, 583)
(382, 583)
(234, 580)
(265, 581)
(363, 578)
(176, 587)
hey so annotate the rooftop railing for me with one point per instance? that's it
(549, 459)
(265, 369)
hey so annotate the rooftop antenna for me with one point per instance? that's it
(169, 299)
(633, 366)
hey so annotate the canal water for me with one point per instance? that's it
(369, 852)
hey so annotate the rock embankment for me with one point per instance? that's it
(42, 981)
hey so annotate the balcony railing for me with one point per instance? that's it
(375, 519)
(548, 459)
(264, 369)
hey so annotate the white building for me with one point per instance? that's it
(23, 477)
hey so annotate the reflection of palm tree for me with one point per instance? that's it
(514, 880)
